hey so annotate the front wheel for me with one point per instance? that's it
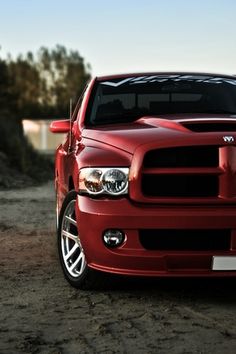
(71, 253)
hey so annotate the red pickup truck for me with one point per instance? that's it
(146, 178)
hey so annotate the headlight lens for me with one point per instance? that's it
(113, 181)
(93, 181)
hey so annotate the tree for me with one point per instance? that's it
(44, 83)
(36, 86)
(10, 127)
(25, 85)
(7, 101)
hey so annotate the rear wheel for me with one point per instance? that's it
(71, 253)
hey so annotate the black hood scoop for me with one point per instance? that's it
(214, 126)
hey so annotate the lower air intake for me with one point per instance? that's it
(185, 240)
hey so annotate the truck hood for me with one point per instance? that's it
(167, 130)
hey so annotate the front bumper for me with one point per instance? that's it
(97, 215)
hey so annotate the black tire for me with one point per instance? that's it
(81, 277)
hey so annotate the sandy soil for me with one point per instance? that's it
(41, 313)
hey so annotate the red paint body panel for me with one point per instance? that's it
(132, 258)
(126, 145)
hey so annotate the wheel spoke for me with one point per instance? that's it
(66, 241)
(71, 221)
(72, 267)
(82, 263)
(69, 235)
(72, 251)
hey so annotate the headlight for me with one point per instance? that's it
(113, 181)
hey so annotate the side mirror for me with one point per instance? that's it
(60, 126)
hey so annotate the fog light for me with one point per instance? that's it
(113, 238)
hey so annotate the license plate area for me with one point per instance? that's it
(224, 263)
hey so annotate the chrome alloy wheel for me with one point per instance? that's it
(71, 248)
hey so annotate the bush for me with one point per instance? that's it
(20, 154)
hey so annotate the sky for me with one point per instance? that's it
(126, 36)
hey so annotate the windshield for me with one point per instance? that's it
(128, 99)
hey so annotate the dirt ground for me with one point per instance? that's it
(41, 313)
